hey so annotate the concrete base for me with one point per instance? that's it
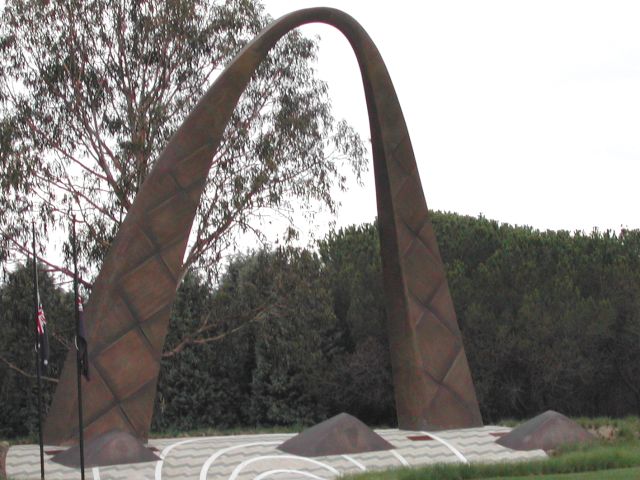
(243, 457)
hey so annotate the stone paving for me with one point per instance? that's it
(242, 457)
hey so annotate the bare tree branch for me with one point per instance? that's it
(15, 368)
(196, 337)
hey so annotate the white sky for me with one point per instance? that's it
(526, 112)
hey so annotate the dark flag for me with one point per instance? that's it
(43, 336)
(81, 342)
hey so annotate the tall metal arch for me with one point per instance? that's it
(128, 312)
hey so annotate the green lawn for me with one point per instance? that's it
(617, 474)
(601, 458)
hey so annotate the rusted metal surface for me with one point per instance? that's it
(420, 438)
(548, 431)
(111, 448)
(339, 435)
(128, 312)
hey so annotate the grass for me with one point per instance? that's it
(616, 456)
(618, 474)
(627, 428)
(588, 459)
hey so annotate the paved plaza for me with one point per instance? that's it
(243, 457)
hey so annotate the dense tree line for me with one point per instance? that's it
(549, 319)
(291, 336)
(18, 400)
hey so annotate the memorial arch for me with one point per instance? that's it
(128, 311)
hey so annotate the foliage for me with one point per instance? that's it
(91, 91)
(361, 377)
(539, 332)
(18, 399)
(550, 320)
(266, 360)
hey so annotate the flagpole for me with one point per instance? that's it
(77, 312)
(36, 300)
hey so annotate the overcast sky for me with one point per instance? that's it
(525, 112)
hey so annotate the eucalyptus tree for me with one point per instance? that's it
(91, 91)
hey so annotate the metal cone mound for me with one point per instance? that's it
(111, 448)
(548, 431)
(338, 435)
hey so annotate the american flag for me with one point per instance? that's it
(42, 320)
